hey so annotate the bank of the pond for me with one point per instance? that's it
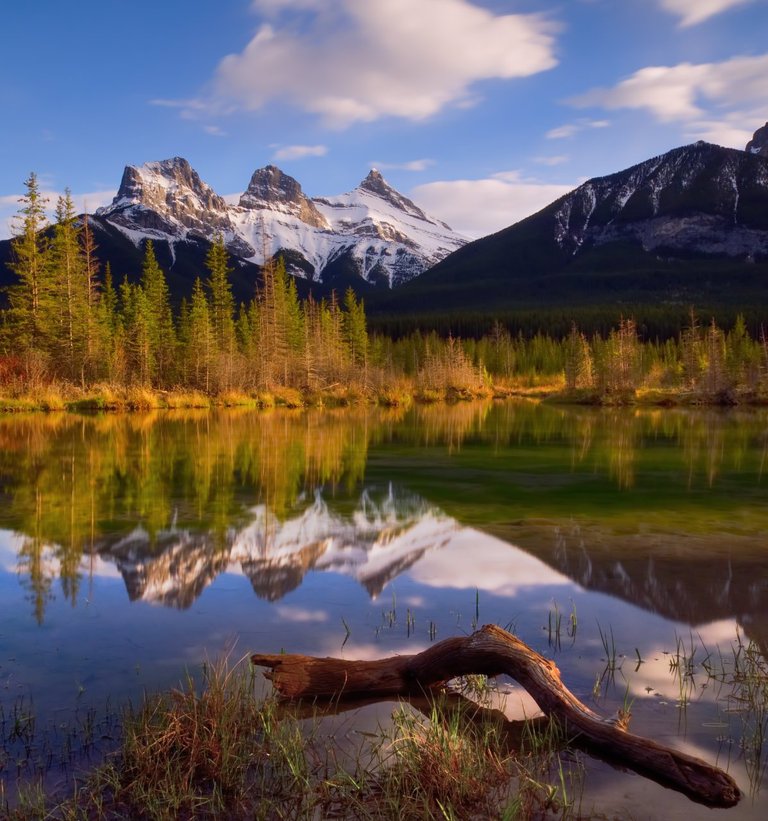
(144, 399)
(137, 398)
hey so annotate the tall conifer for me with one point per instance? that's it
(32, 296)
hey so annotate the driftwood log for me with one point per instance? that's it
(493, 651)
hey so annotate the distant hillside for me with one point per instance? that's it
(689, 227)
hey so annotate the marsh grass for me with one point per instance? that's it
(440, 766)
(211, 749)
(739, 679)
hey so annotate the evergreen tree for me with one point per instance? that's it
(154, 299)
(356, 332)
(94, 349)
(741, 355)
(222, 308)
(31, 300)
(273, 342)
(715, 379)
(690, 352)
(108, 330)
(67, 327)
(578, 361)
(139, 333)
(199, 340)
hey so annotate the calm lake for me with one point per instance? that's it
(631, 546)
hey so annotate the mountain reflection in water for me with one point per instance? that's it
(378, 541)
(664, 509)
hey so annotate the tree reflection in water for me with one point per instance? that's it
(632, 499)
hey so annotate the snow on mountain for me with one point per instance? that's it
(382, 235)
(699, 197)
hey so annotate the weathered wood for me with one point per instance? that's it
(493, 651)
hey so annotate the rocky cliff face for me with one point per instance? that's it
(271, 189)
(168, 196)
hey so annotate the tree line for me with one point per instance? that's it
(67, 322)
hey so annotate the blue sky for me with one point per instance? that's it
(483, 111)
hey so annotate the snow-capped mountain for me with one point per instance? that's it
(689, 227)
(373, 231)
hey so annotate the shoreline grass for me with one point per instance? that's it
(214, 750)
(108, 398)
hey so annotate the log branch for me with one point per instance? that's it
(493, 651)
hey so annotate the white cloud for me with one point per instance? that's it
(9, 206)
(714, 101)
(476, 208)
(693, 12)
(298, 152)
(729, 131)
(214, 131)
(557, 159)
(411, 165)
(562, 132)
(360, 60)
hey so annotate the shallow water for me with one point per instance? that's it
(133, 547)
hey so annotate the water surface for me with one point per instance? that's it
(135, 546)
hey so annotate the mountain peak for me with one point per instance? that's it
(759, 142)
(179, 201)
(375, 184)
(375, 181)
(271, 188)
(270, 185)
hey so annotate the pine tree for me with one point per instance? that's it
(578, 361)
(67, 327)
(715, 379)
(90, 267)
(690, 352)
(31, 299)
(107, 330)
(139, 333)
(199, 340)
(741, 356)
(155, 301)
(272, 324)
(356, 333)
(222, 308)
